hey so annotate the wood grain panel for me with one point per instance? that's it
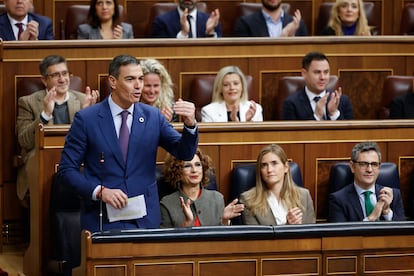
(163, 268)
(364, 88)
(341, 265)
(228, 267)
(110, 270)
(303, 265)
(382, 263)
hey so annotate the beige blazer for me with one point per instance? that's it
(269, 219)
(29, 109)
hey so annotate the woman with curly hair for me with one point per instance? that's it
(104, 22)
(276, 199)
(347, 18)
(158, 88)
(192, 204)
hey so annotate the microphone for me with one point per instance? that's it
(102, 162)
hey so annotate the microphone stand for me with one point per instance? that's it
(102, 162)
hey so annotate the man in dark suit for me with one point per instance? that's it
(365, 200)
(314, 102)
(122, 173)
(270, 21)
(20, 24)
(402, 106)
(187, 22)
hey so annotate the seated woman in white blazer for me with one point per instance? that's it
(230, 99)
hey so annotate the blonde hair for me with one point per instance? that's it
(256, 197)
(166, 97)
(218, 83)
(362, 27)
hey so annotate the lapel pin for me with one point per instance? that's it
(141, 119)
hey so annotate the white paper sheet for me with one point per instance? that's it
(135, 209)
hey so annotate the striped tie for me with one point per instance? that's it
(20, 26)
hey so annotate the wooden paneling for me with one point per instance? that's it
(348, 254)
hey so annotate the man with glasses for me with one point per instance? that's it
(364, 199)
(56, 104)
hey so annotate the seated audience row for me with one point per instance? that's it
(276, 199)
(57, 104)
(107, 155)
(104, 22)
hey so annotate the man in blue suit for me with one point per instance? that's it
(122, 180)
(187, 22)
(314, 102)
(20, 24)
(271, 21)
(365, 200)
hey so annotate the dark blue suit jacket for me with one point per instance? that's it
(93, 133)
(254, 25)
(344, 205)
(45, 27)
(298, 107)
(168, 25)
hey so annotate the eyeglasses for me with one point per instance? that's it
(364, 164)
(188, 166)
(58, 75)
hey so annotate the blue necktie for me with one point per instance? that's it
(124, 134)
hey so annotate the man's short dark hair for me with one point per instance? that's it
(309, 57)
(363, 147)
(49, 61)
(119, 61)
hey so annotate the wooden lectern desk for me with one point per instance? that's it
(377, 248)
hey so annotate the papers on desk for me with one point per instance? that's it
(135, 209)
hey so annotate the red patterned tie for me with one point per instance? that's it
(20, 26)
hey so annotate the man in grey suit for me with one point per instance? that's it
(56, 104)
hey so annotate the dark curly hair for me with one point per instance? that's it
(173, 168)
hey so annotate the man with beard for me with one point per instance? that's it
(56, 104)
(270, 21)
(314, 101)
(187, 22)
